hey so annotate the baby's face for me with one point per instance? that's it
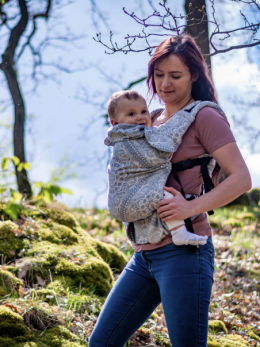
(132, 112)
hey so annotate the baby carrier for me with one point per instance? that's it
(140, 166)
(210, 170)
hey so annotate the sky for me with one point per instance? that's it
(64, 124)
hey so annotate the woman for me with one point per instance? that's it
(178, 276)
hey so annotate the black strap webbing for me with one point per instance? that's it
(189, 164)
(187, 221)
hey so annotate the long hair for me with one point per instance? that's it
(186, 49)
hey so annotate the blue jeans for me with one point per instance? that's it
(178, 277)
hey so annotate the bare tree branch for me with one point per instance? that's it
(170, 24)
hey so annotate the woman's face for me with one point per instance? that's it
(173, 80)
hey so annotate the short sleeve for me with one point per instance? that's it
(212, 129)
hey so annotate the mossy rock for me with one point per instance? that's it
(110, 254)
(57, 233)
(12, 327)
(54, 337)
(247, 215)
(227, 341)
(233, 222)
(61, 250)
(9, 241)
(60, 337)
(216, 326)
(61, 217)
(252, 333)
(8, 282)
(95, 275)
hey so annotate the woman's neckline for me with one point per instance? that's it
(159, 113)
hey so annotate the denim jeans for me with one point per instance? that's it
(179, 277)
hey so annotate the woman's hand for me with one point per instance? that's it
(176, 208)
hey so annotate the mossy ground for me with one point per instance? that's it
(54, 264)
(67, 263)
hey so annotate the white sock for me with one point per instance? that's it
(182, 236)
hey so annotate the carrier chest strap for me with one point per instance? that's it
(189, 164)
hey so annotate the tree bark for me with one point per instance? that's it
(8, 67)
(200, 32)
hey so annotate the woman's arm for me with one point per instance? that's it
(237, 182)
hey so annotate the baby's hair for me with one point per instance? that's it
(115, 97)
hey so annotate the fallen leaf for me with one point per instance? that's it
(21, 290)
(55, 309)
(41, 282)
(17, 232)
(15, 308)
(23, 271)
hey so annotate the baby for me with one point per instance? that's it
(129, 107)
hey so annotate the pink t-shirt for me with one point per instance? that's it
(207, 133)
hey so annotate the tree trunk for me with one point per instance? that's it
(200, 32)
(8, 67)
(24, 186)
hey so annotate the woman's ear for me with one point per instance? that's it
(194, 77)
(113, 121)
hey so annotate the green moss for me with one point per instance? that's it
(94, 274)
(8, 240)
(3, 214)
(216, 326)
(56, 233)
(116, 259)
(29, 344)
(8, 282)
(227, 341)
(216, 221)
(61, 217)
(247, 215)
(154, 315)
(54, 337)
(234, 222)
(60, 337)
(38, 266)
(212, 342)
(46, 295)
(12, 326)
(252, 333)
(56, 286)
(62, 251)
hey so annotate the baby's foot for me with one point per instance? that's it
(182, 236)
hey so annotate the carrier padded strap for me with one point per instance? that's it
(206, 178)
(187, 221)
(189, 164)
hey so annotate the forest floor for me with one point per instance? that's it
(235, 296)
